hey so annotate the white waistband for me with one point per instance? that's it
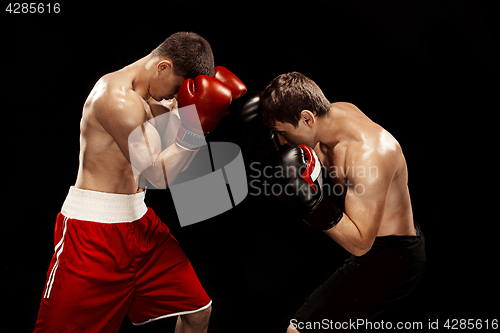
(103, 207)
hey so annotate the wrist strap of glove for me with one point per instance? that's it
(325, 215)
(189, 140)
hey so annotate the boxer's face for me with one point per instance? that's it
(285, 133)
(302, 134)
(165, 83)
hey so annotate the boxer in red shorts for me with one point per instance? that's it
(113, 256)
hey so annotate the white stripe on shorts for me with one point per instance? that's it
(57, 250)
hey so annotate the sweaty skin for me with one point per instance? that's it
(119, 103)
(368, 163)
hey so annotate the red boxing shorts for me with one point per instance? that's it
(114, 257)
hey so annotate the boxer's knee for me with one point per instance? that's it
(198, 319)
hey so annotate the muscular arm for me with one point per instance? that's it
(124, 118)
(364, 204)
(167, 121)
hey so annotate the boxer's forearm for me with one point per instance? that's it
(347, 234)
(170, 162)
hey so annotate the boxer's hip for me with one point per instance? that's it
(103, 207)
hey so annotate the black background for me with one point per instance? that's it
(427, 71)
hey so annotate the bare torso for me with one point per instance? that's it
(104, 165)
(354, 164)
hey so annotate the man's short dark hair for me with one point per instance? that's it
(287, 95)
(190, 53)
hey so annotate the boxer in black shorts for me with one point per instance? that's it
(366, 285)
(375, 219)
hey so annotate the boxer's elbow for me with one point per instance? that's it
(361, 246)
(359, 251)
(158, 183)
(156, 176)
(352, 236)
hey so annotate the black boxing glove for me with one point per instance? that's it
(301, 183)
(247, 109)
(257, 141)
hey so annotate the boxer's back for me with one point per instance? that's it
(103, 165)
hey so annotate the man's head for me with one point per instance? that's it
(182, 55)
(291, 105)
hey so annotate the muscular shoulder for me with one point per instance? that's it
(115, 104)
(376, 157)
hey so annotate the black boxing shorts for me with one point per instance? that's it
(367, 285)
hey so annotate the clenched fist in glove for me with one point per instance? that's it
(212, 97)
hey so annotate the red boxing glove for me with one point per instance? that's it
(211, 98)
(237, 87)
